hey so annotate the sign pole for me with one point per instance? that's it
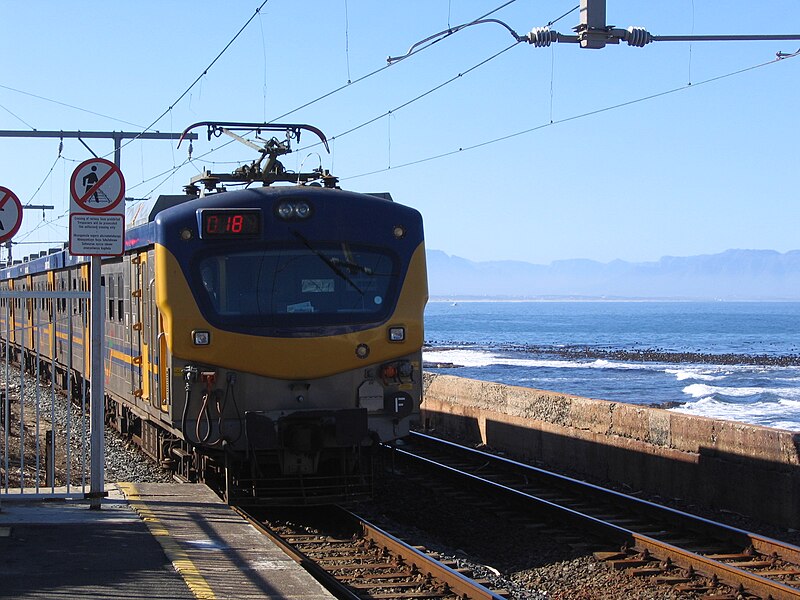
(97, 188)
(97, 383)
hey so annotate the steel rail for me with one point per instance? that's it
(733, 576)
(457, 583)
(760, 543)
(334, 586)
(727, 574)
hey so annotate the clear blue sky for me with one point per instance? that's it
(699, 171)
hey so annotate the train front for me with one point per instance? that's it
(293, 325)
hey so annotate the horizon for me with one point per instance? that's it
(583, 258)
(730, 276)
(599, 300)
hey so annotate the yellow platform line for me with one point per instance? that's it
(177, 555)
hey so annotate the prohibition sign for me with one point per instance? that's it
(97, 185)
(11, 209)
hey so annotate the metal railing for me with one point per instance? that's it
(47, 440)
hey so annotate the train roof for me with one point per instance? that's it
(139, 218)
(145, 211)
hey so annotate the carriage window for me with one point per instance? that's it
(111, 297)
(120, 298)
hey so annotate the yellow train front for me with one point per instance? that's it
(289, 333)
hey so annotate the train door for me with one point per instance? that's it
(12, 315)
(148, 326)
(153, 340)
(164, 367)
(51, 315)
(137, 347)
(158, 345)
(151, 332)
(83, 320)
(62, 307)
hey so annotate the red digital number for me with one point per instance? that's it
(222, 223)
(236, 224)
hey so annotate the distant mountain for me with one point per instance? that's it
(730, 275)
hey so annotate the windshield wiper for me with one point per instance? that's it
(332, 263)
(351, 265)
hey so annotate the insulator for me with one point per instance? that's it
(542, 37)
(638, 36)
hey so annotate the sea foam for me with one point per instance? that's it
(784, 414)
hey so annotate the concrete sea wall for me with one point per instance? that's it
(721, 465)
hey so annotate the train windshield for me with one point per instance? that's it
(306, 286)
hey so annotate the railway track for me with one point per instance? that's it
(356, 560)
(691, 553)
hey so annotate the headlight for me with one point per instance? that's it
(397, 334)
(302, 210)
(201, 338)
(285, 210)
(293, 209)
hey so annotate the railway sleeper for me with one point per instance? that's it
(646, 572)
(628, 563)
(673, 579)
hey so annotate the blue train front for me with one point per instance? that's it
(267, 339)
(291, 326)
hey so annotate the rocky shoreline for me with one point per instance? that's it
(630, 355)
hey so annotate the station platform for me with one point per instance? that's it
(155, 541)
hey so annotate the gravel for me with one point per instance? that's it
(531, 560)
(123, 460)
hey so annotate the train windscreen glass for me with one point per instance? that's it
(300, 286)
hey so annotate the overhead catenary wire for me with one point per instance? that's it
(566, 14)
(18, 118)
(436, 37)
(168, 175)
(72, 106)
(347, 40)
(779, 57)
(421, 46)
(144, 129)
(399, 107)
(174, 169)
(378, 70)
(170, 172)
(43, 223)
(440, 86)
(46, 177)
(447, 32)
(203, 74)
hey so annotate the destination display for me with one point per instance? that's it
(230, 223)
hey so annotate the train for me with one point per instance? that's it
(267, 339)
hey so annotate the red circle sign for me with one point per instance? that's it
(97, 185)
(10, 214)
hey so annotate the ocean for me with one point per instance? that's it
(729, 360)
